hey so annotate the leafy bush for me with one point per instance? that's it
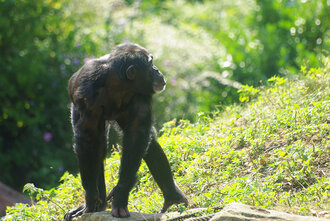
(270, 152)
(40, 44)
(33, 122)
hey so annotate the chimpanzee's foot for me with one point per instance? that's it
(83, 209)
(174, 198)
(75, 212)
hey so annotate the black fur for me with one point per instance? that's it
(118, 87)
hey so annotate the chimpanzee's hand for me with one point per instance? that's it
(119, 206)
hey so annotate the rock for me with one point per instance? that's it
(232, 212)
(241, 212)
(106, 216)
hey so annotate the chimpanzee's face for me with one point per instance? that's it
(158, 80)
(147, 78)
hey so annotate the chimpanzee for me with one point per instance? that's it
(118, 87)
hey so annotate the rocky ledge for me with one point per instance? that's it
(232, 212)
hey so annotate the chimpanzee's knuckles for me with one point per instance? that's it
(120, 212)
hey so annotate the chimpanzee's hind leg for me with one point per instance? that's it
(160, 169)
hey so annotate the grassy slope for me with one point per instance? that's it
(273, 152)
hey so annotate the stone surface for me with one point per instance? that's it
(240, 212)
(8, 197)
(232, 212)
(106, 216)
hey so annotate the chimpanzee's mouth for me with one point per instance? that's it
(159, 87)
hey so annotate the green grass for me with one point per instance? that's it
(271, 151)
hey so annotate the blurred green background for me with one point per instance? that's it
(206, 50)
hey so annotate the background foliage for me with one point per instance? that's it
(206, 49)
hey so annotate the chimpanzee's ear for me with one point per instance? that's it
(130, 72)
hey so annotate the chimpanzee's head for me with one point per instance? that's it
(139, 69)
